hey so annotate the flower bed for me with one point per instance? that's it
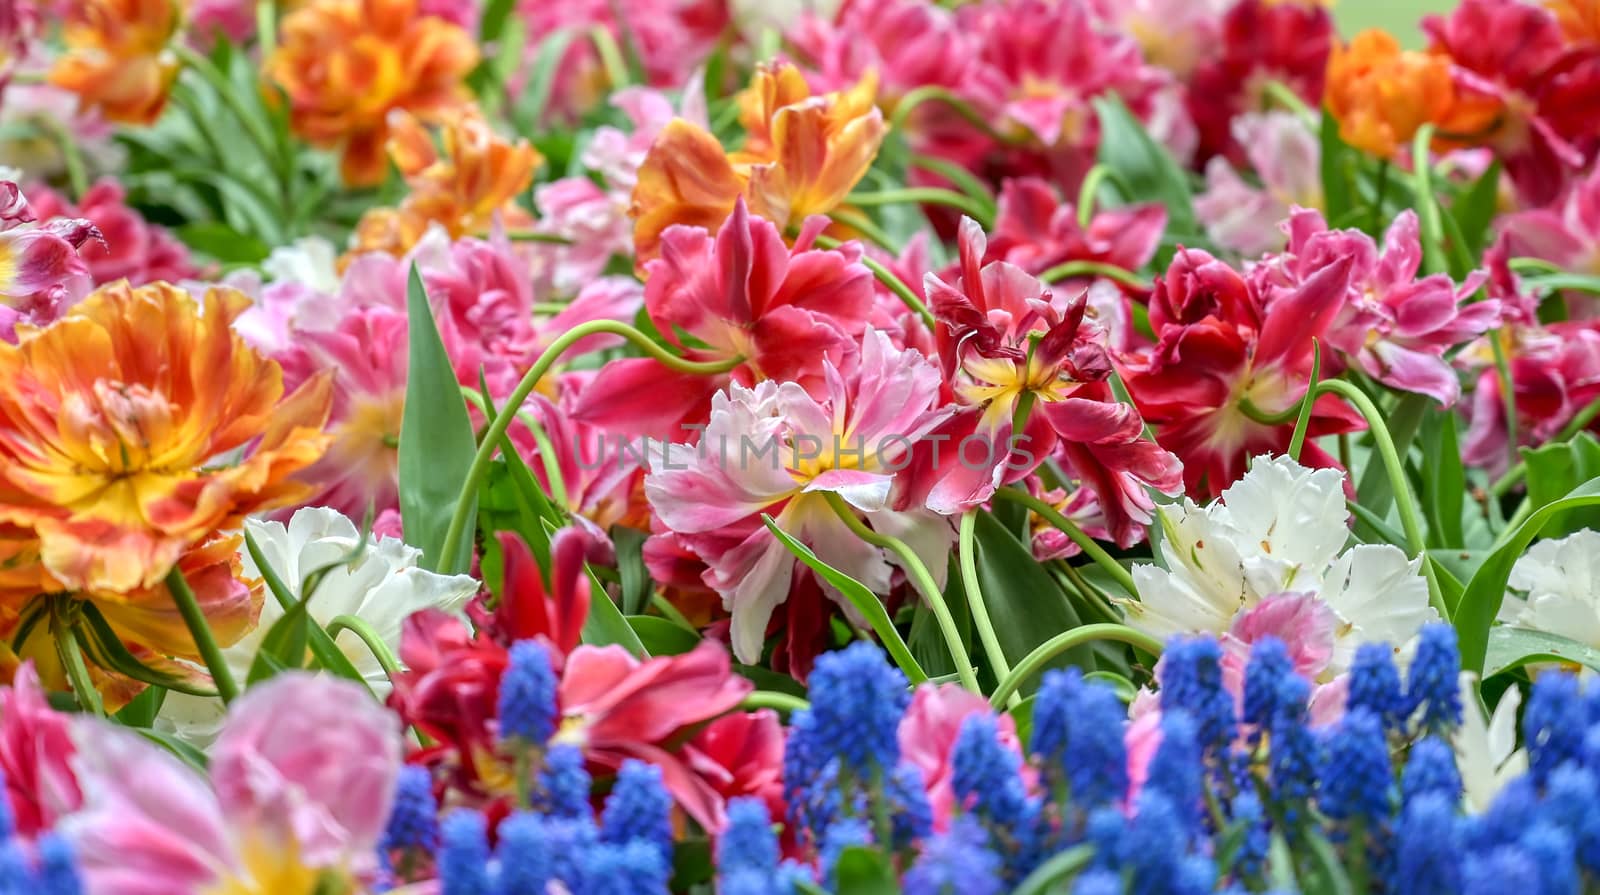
(621, 447)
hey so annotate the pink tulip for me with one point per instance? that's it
(301, 782)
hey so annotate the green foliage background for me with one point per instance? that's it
(1399, 17)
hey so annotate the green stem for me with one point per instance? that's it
(70, 651)
(1410, 523)
(605, 46)
(532, 236)
(71, 157)
(1577, 424)
(1427, 204)
(1066, 640)
(1097, 175)
(375, 645)
(918, 573)
(1533, 266)
(1290, 100)
(1508, 388)
(929, 195)
(1303, 423)
(267, 27)
(930, 93)
(772, 699)
(502, 420)
(961, 177)
(671, 613)
(967, 555)
(1267, 417)
(1092, 549)
(1377, 202)
(1071, 269)
(865, 226)
(888, 279)
(547, 452)
(189, 608)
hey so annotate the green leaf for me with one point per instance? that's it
(107, 650)
(141, 711)
(864, 600)
(863, 871)
(1554, 470)
(223, 243)
(529, 111)
(495, 15)
(436, 440)
(1336, 162)
(661, 637)
(1025, 605)
(186, 753)
(1511, 648)
(1054, 874)
(1326, 874)
(1373, 487)
(1146, 168)
(284, 646)
(1481, 600)
(1444, 480)
(767, 679)
(1022, 716)
(1475, 208)
(605, 625)
(636, 583)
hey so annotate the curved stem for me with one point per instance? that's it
(961, 177)
(918, 573)
(1097, 175)
(1094, 551)
(925, 194)
(70, 651)
(772, 699)
(888, 279)
(541, 438)
(980, 610)
(1303, 423)
(931, 93)
(534, 236)
(374, 643)
(1267, 417)
(502, 420)
(1410, 521)
(864, 225)
(1071, 269)
(1066, 640)
(1290, 100)
(205, 644)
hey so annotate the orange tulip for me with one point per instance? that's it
(145, 621)
(476, 175)
(1381, 95)
(1580, 19)
(802, 155)
(139, 426)
(345, 64)
(117, 61)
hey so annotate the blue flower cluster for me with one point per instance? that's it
(1229, 792)
(46, 866)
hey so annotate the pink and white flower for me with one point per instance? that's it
(1283, 153)
(776, 450)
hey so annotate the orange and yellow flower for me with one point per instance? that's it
(345, 64)
(462, 187)
(1381, 95)
(1580, 19)
(802, 155)
(139, 426)
(145, 621)
(117, 60)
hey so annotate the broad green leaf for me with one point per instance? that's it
(1511, 648)
(1481, 600)
(636, 583)
(863, 871)
(1474, 210)
(495, 15)
(222, 242)
(1054, 874)
(1444, 481)
(767, 679)
(865, 601)
(436, 440)
(1025, 605)
(529, 111)
(1146, 168)
(661, 637)
(1336, 162)
(141, 711)
(606, 626)
(284, 647)
(1554, 470)
(1022, 716)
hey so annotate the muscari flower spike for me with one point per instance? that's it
(528, 694)
(956, 862)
